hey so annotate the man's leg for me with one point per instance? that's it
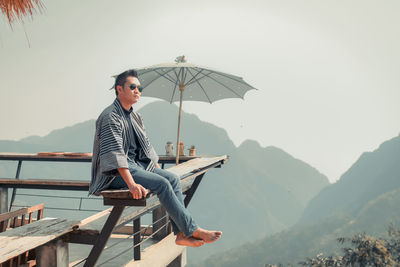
(174, 180)
(174, 184)
(163, 188)
(205, 235)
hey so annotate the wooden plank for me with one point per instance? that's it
(166, 251)
(19, 240)
(195, 165)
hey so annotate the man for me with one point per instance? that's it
(124, 157)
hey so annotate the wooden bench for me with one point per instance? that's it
(191, 174)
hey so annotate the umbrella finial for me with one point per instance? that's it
(181, 59)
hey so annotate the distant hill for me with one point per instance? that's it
(366, 199)
(259, 191)
(373, 174)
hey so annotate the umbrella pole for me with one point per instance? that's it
(181, 88)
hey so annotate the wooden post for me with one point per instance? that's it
(14, 192)
(158, 213)
(52, 254)
(136, 239)
(3, 200)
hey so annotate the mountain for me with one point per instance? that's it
(373, 174)
(259, 191)
(365, 199)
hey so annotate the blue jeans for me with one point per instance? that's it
(168, 188)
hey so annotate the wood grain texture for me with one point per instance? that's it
(19, 240)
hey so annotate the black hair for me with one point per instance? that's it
(121, 78)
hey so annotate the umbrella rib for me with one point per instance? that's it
(176, 83)
(204, 75)
(171, 78)
(209, 100)
(222, 85)
(162, 75)
(157, 77)
(194, 76)
(239, 79)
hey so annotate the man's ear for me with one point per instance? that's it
(119, 88)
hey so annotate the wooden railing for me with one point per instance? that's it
(16, 219)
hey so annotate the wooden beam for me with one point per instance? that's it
(192, 190)
(45, 184)
(35, 157)
(82, 236)
(104, 236)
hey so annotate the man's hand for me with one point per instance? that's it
(158, 166)
(138, 191)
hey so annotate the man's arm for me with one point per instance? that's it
(137, 190)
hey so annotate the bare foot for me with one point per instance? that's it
(182, 240)
(207, 236)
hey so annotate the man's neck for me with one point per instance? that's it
(126, 106)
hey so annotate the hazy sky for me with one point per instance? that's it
(327, 71)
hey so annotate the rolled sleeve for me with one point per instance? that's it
(112, 154)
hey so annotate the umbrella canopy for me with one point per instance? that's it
(200, 83)
(182, 81)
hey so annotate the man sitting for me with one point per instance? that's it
(124, 157)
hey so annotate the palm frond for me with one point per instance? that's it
(18, 9)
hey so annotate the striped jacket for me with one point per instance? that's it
(111, 144)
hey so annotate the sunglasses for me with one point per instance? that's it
(133, 86)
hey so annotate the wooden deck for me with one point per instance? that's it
(107, 231)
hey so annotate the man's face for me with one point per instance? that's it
(125, 93)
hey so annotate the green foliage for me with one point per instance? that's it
(365, 251)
